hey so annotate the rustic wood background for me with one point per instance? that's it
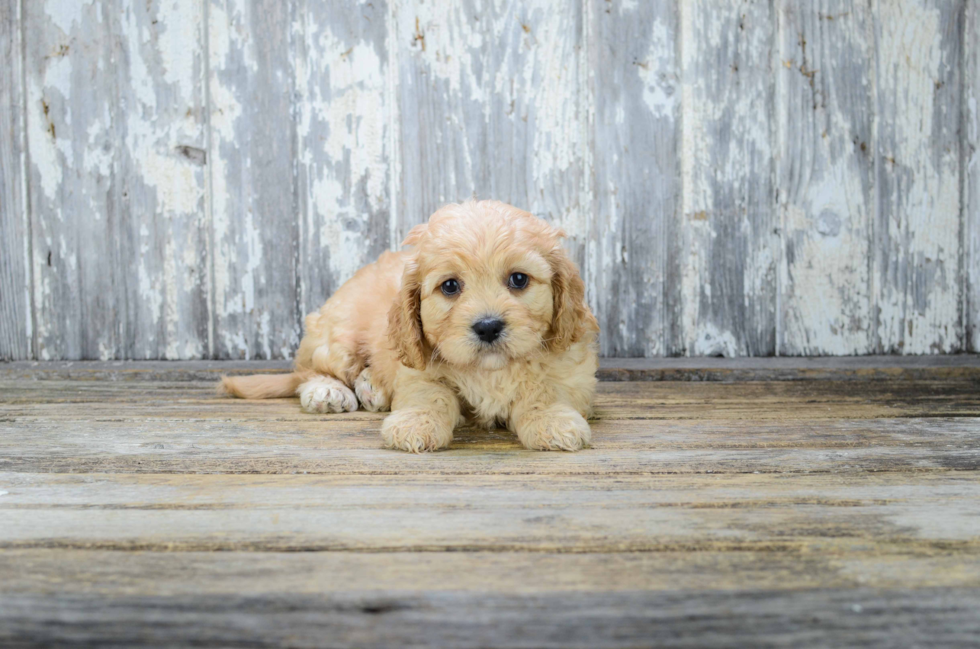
(186, 178)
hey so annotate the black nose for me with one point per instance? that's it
(488, 329)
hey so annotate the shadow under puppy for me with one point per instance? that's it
(483, 320)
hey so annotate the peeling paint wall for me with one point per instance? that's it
(825, 89)
(918, 238)
(16, 314)
(188, 178)
(970, 170)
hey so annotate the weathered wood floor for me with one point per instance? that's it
(755, 513)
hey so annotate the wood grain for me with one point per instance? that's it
(705, 514)
(760, 400)
(253, 142)
(762, 618)
(971, 174)
(343, 108)
(191, 190)
(642, 428)
(491, 104)
(697, 369)
(116, 125)
(16, 316)
(825, 99)
(917, 233)
(163, 262)
(110, 573)
(637, 172)
(352, 449)
(495, 513)
(724, 243)
(77, 225)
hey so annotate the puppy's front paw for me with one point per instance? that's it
(371, 397)
(326, 394)
(415, 430)
(554, 429)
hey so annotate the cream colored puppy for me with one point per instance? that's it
(482, 320)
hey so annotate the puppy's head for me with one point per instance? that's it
(487, 283)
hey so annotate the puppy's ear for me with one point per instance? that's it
(405, 321)
(572, 319)
(415, 234)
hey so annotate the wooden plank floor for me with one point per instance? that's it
(799, 512)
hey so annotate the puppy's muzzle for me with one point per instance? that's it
(488, 329)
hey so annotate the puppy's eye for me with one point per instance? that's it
(450, 287)
(517, 280)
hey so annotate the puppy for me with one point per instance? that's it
(482, 321)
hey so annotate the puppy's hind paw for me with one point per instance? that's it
(326, 394)
(372, 398)
(557, 428)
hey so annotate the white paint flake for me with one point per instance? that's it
(345, 100)
(657, 74)
(920, 286)
(66, 13)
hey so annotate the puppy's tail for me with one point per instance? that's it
(261, 386)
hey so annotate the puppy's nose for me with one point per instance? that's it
(488, 329)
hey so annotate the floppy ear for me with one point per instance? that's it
(572, 319)
(405, 321)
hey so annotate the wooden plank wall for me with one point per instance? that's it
(826, 177)
(970, 157)
(16, 315)
(793, 177)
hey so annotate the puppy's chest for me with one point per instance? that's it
(488, 397)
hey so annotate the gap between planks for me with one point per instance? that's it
(841, 368)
